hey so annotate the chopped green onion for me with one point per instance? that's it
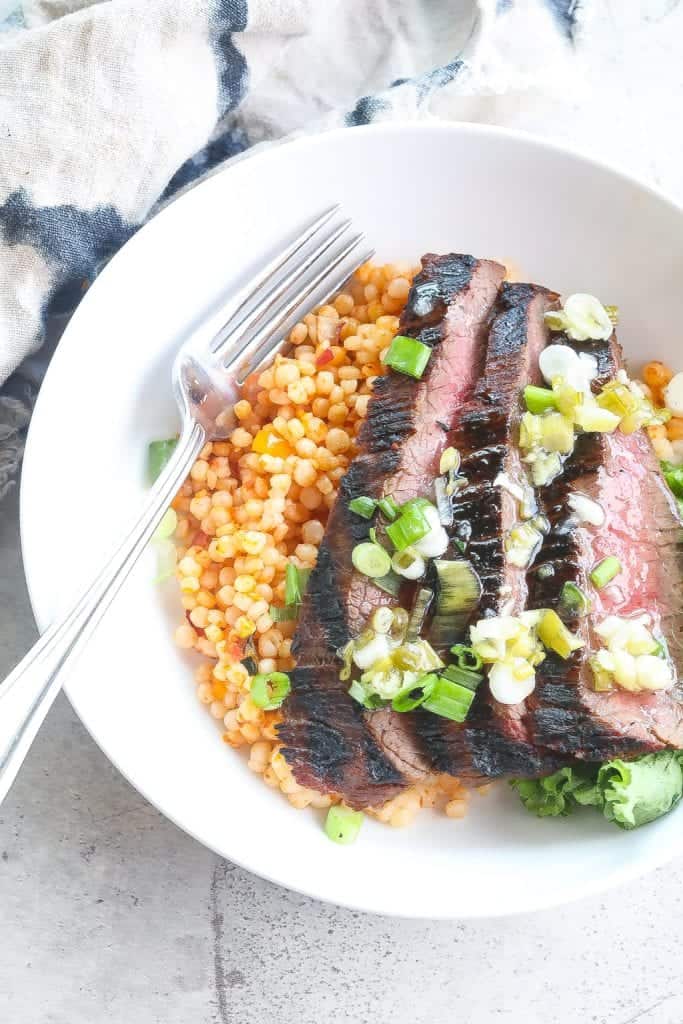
(459, 586)
(167, 556)
(415, 503)
(557, 433)
(573, 599)
(449, 461)
(555, 319)
(450, 700)
(400, 624)
(390, 584)
(443, 501)
(388, 507)
(342, 825)
(269, 689)
(522, 544)
(370, 701)
(166, 527)
(455, 483)
(371, 560)
(539, 400)
(288, 614)
(596, 420)
(602, 680)
(384, 683)
(408, 355)
(419, 613)
(409, 564)
(295, 583)
(583, 318)
(363, 506)
(458, 594)
(357, 692)
(542, 524)
(418, 656)
(467, 657)
(545, 468)
(346, 655)
(605, 571)
(158, 454)
(410, 527)
(619, 399)
(292, 592)
(372, 534)
(463, 676)
(382, 619)
(416, 694)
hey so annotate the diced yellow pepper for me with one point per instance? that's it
(268, 442)
(554, 635)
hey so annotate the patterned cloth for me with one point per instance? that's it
(108, 109)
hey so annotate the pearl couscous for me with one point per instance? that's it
(667, 438)
(260, 499)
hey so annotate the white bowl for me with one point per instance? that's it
(571, 224)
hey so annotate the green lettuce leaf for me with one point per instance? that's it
(674, 477)
(636, 792)
(555, 795)
(629, 793)
(586, 790)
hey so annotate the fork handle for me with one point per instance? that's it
(28, 692)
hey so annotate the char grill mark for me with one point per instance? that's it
(391, 414)
(329, 742)
(642, 529)
(494, 740)
(325, 624)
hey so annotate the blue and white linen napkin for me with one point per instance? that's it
(108, 109)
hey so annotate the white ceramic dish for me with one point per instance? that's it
(571, 224)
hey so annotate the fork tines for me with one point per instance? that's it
(306, 272)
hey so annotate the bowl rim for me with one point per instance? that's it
(590, 887)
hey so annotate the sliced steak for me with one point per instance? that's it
(642, 529)
(494, 740)
(327, 739)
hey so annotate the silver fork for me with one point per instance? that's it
(208, 372)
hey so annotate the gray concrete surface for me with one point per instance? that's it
(110, 915)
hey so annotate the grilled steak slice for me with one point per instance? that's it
(329, 742)
(494, 739)
(642, 529)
